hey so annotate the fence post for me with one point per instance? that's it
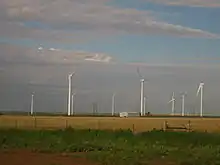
(35, 122)
(133, 128)
(16, 124)
(165, 126)
(66, 123)
(98, 124)
(189, 126)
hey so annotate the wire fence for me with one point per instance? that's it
(134, 124)
(62, 123)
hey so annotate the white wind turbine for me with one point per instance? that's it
(113, 104)
(183, 95)
(173, 103)
(40, 50)
(69, 94)
(142, 80)
(200, 89)
(32, 104)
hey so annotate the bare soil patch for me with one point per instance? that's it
(161, 162)
(26, 157)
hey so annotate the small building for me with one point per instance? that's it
(123, 114)
(129, 114)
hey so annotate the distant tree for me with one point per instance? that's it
(149, 114)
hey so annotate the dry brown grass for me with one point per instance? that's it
(136, 123)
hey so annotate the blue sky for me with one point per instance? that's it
(204, 18)
(142, 31)
(160, 46)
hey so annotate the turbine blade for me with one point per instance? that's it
(138, 71)
(171, 100)
(198, 90)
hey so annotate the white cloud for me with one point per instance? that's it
(195, 3)
(18, 54)
(80, 20)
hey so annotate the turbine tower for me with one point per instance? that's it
(183, 103)
(113, 104)
(173, 104)
(200, 89)
(32, 104)
(142, 96)
(142, 80)
(69, 94)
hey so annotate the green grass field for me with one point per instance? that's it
(120, 147)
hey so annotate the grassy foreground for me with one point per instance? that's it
(120, 147)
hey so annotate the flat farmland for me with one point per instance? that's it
(136, 124)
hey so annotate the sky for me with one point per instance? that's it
(174, 42)
(167, 31)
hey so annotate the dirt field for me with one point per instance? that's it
(24, 157)
(134, 123)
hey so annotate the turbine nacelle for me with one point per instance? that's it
(183, 94)
(201, 85)
(172, 100)
(70, 75)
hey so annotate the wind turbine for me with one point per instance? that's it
(72, 101)
(200, 89)
(142, 80)
(173, 103)
(40, 50)
(113, 104)
(32, 104)
(69, 94)
(183, 103)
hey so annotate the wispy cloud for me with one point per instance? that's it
(80, 20)
(195, 3)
